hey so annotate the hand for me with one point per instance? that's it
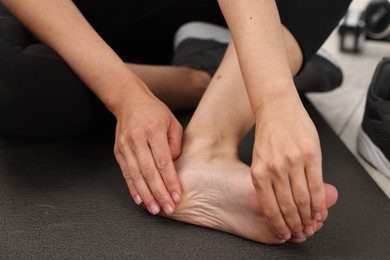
(148, 139)
(287, 168)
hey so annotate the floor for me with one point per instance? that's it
(343, 107)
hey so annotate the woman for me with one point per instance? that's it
(284, 200)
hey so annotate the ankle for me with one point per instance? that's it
(210, 146)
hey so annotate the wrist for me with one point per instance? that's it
(128, 94)
(275, 98)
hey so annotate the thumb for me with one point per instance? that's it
(175, 136)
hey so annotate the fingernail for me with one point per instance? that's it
(175, 197)
(138, 199)
(154, 208)
(168, 209)
(318, 216)
(287, 236)
(299, 235)
(309, 231)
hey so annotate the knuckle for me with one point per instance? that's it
(162, 163)
(121, 141)
(302, 201)
(153, 128)
(274, 166)
(310, 152)
(127, 178)
(133, 192)
(148, 172)
(159, 195)
(271, 214)
(282, 229)
(170, 184)
(293, 157)
(296, 227)
(259, 170)
(134, 136)
(308, 221)
(147, 199)
(315, 185)
(259, 181)
(116, 151)
(318, 205)
(134, 174)
(288, 210)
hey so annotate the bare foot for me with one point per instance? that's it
(219, 194)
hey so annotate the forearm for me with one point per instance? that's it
(257, 33)
(60, 24)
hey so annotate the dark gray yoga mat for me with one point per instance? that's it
(66, 199)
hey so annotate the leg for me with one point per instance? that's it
(178, 87)
(218, 191)
(41, 97)
(201, 46)
(226, 99)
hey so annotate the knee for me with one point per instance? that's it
(18, 44)
(13, 36)
(13, 40)
(24, 60)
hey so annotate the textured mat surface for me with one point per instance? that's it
(66, 199)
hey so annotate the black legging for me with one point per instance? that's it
(41, 97)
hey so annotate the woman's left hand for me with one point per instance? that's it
(287, 168)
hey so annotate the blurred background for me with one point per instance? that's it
(343, 107)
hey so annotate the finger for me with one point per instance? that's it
(287, 206)
(126, 174)
(266, 197)
(319, 226)
(153, 179)
(297, 240)
(324, 215)
(316, 187)
(175, 137)
(331, 195)
(302, 200)
(331, 199)
(138, 180)
(163, 160)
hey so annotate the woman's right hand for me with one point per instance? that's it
(148, 139)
